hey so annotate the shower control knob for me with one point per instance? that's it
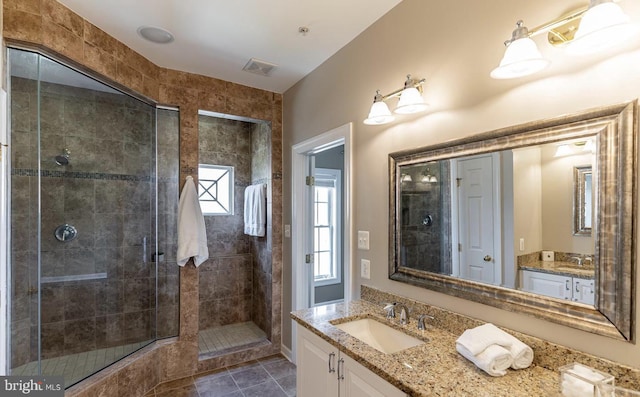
(66, 233)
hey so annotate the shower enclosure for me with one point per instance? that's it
(236, 282)
(93, 204)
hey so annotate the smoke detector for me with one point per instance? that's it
(257, 66)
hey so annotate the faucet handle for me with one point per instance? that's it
(391, 310)
(421, 319)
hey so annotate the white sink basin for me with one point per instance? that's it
(379, 336)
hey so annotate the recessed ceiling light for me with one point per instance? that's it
(155, 35)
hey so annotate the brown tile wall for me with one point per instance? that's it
(226, 277)
(261, 246)
(50, 25)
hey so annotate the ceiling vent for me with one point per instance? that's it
(257, 66)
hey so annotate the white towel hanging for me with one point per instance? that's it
(192, 234)
(255, 210)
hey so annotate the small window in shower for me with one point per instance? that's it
(215, 189)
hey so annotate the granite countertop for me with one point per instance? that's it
(432, 369)
(569, 269)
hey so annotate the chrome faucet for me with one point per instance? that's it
(421, 325)
(577, 259)
(404, 314)
(391, 310)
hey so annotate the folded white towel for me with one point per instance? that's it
(477, 339)
(255, 210)
(192, 234)
(493, 360)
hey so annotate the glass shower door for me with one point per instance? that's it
(83, 216)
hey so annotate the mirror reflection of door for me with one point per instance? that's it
(475, 182)
(327, 209)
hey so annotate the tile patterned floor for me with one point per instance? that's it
(273, 376)
(228, 337)
(75, 367)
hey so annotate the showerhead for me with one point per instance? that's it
(63, 159)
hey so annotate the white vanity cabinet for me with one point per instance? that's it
(558, 286)
(583, 290)
(323, 371)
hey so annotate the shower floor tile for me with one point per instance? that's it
(75, 367)
(229, 337)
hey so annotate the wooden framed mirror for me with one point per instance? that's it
(447, 200)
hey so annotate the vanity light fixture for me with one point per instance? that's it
(411, 101)
(601, 25)
(406, 178)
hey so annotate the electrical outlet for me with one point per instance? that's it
(521, 244)
(365, 268)
(287, 231)
(363, 240)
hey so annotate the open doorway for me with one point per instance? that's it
(323, 152)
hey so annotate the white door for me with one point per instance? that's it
(476, 233)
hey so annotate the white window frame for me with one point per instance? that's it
(330, 178)
(201, 186)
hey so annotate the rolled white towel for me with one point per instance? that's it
(493, 360)
(522, 354)
(479, 338)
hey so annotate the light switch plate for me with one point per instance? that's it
(548, 256)
(365, 268)
(363, 240)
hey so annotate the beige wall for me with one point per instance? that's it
(454, 44)
(528, 200)
(557, 203)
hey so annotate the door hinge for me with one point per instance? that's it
(308, 258)
(310, 181)
(458, 182)
(459, 247)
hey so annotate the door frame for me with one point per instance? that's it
(300, 218)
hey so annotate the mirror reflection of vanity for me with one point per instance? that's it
(523, 218)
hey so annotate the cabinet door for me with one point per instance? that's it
(360, 382)
(313, 358)
(583, 291)
(547, 284)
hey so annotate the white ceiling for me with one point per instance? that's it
(217, 38)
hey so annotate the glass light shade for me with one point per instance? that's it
(590, 146)
(411, 101)
(406, 178)
(379, 114)
(433, 179)
(603, 25)
(521, 58)
(563, 150)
